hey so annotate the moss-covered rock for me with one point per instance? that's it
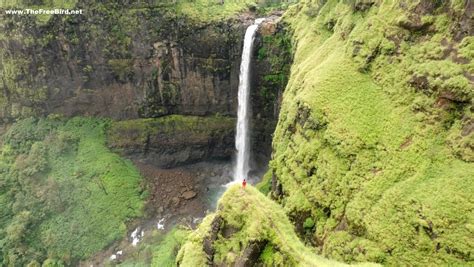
(374, 138)
(248, 229)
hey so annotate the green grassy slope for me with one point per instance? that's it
(63, 194)
(201, 10)
(372, 142)
(253, 218)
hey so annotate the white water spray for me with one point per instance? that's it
(242, 136)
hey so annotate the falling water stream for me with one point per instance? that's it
(242, 145)
(242, 140)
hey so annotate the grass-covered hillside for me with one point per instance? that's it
(375, 137)
(248, 229)
(63, 194)
(201, 10)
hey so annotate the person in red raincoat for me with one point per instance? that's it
(244, 183)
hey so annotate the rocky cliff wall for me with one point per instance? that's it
(272, 60)
(138, 61)
(174, 140)
(119, 62)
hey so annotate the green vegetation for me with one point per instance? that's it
(276, 52)
(208, 11)
(265, 185)
(373, 151)
(172, 123)
(63, 194)
(374, 142)
(38, 3)
(167, 251)
(256, 219)
(198, 10)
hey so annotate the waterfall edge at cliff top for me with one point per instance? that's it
(242, 142)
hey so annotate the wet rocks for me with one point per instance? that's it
(175, 201)
(189, 195)
(179, 191)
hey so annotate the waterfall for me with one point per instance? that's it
(242, 145)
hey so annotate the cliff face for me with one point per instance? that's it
(119, 62)
(135, 61)
(174, 140)
(272, 61)
(166, 74)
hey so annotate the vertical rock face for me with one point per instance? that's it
(272, 61)
(119, 62)
(126, 63)
(173, 140)
(195, 74)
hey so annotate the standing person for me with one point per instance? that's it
(244, 183)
